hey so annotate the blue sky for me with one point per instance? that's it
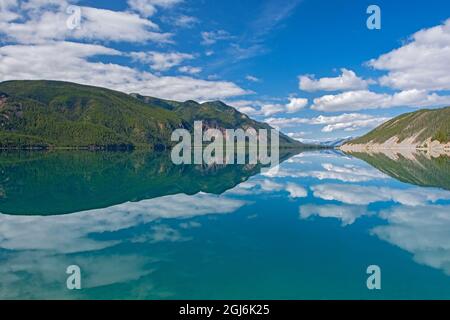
(309, 67)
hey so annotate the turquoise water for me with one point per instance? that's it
(142, 228)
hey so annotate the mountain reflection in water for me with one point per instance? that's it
(140, 227)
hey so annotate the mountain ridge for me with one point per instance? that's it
(46, 114)
(426, 130)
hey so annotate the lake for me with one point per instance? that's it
(140, 227)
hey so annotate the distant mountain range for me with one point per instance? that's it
(329, 143)
(55, 114)
(336, 142)
(421, 130)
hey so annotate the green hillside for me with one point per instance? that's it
(54, 114)
(425, 123)
(215, 114)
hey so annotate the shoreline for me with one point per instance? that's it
(406, 148)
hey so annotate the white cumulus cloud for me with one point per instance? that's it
(70, 62)
(161, 61)
(348, 80)
(40, 23)
(364, 99)
(148, 8)
(423, 63)
(345, 121)
(296, 104)
(190, 69)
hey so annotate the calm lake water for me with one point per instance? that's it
(142, 228)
